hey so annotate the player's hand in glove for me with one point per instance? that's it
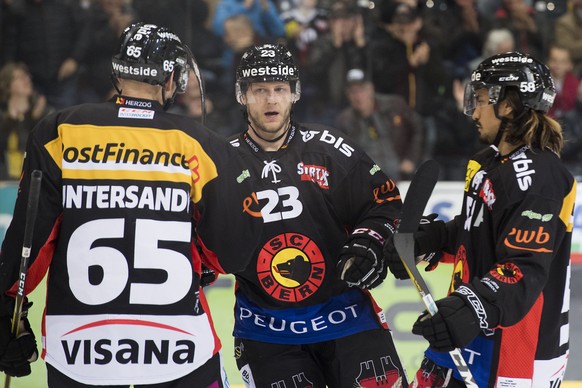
(428, 241)
(16, 353)
(460, 318)
(207, 277)
(360, 260)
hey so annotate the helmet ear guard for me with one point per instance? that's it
(267, 63)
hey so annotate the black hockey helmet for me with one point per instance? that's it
(530, 77)
(267, 63)
(148, 53)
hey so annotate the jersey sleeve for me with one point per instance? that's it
(49, 209)
(529, 242)
(367, 198)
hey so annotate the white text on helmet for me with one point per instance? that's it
(268, 70)
(512, 59)
(140, 70)
(509, 78)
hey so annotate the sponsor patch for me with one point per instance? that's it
(487, 193)
(313, 173)
(528, 240)
(385, 193)
(536, 216)
(134, 113)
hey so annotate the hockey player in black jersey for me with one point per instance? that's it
(303, 315)
(509, 299)
(124, 184)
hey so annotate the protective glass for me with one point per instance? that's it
(474, 97)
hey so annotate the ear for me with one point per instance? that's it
(505, 110)
(170, 85)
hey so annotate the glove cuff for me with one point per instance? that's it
(487, 315)
(368, 233)
(430, 237)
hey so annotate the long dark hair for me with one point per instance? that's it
(534, 128)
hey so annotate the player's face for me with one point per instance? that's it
(484, 117)
(269, 107)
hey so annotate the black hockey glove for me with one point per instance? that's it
(16, 354)
(207, 277)
(428, 241)
(360, 260)
(460, 318)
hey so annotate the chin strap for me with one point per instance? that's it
(270, 140)
(168, 102)
(115, 83)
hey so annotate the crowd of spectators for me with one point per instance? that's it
(389, 73)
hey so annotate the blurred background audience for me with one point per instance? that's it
(389, 73)
(21, 107)
(384, 126)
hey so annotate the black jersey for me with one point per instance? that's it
(123, 182)
(512, 244)
(310, 194)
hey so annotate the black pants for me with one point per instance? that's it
(207, 376)
(366, 359)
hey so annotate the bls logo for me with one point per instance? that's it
(290, 267)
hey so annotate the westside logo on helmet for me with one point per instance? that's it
(137, 70)
(269, 70)
(519, 59)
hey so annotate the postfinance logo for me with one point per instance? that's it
(111, 152)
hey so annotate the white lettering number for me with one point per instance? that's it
(133, 51)
(148, 254)
(527, 86)
(83, 254)
(268, 53)
(168, 66)
(289, 200)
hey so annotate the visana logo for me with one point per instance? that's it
(117, 153)
(128, 351)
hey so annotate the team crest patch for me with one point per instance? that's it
(507, 273)
(290, 267)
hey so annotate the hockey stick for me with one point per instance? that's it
(31, 212)
(416, 199)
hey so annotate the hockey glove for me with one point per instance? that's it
(460, 318)
(16, 353)
(428, 241)
(207, 277)
(360, 260)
